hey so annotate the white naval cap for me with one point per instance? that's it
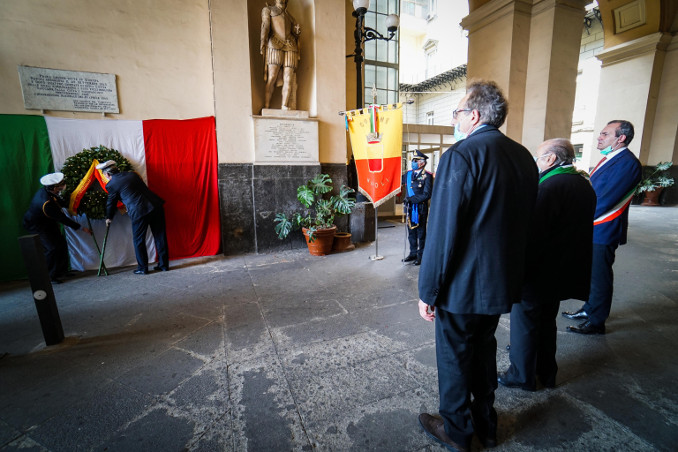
(52, 179)
(106, 165)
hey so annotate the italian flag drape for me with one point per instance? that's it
(176, 158)
(376, 134)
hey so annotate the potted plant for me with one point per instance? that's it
(317, 221)
(654, 182)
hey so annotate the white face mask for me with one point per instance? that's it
(458, 134)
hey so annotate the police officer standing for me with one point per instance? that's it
(418, 184)
(43, 217)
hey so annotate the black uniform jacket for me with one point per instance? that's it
(135, 195)
(422, 186)
(561, 243)
(45, 211)
(481, 211)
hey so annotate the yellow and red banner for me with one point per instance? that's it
(376, 134)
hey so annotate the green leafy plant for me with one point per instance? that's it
(321, 208)
(93, 204)
(655, 178)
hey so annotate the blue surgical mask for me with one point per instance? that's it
(415, 164)
(458, 134)
(606, 151)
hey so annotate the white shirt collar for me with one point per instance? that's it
(610, 156)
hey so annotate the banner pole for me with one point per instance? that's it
(376, 256)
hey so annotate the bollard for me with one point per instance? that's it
(41, 286)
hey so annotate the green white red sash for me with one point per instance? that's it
(617, 210)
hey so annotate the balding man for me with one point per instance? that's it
(614, 180)
(558, 265)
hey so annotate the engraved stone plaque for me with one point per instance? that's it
(54, 89)
(285, 141)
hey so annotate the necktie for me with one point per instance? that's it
(599, 163)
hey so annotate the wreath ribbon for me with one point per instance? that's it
(79, 192)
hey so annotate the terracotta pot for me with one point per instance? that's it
(342, 241)
(652, 197)
(322, 244)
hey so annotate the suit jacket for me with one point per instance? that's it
(561, 242)
(135, 195)
(45, 212)
(611, 183)
(481, 210)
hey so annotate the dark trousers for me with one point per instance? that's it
(466, 353)
(533, 343)
(602, 282)
(156, 220)
(417, 238)
(56, 249)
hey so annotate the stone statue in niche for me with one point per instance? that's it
(280, 49)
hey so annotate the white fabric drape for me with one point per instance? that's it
(68, 137)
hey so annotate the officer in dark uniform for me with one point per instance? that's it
(43, 217)
(418, 186)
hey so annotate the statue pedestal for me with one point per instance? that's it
(285, 137)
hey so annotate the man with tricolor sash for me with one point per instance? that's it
(614, 180)
(558, 265)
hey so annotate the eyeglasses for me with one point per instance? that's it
(543, 155)
(455, 112)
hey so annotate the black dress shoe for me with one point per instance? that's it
(410, 258)
(577, 315)
(417, 262)
(140, 271)
(435, 428)
(160, 269)
(587, 328)
(505, 381)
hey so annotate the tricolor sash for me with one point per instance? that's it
(617, 210)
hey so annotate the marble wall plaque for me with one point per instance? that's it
(54, 89)
(285, 141)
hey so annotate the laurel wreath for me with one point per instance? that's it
(93, 204)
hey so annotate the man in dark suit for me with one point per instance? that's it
(558, 265)
(481, 210)
(43, 217)
(418, 185)
(144, 208)
(614, 179)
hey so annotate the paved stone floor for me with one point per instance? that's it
(287, 351)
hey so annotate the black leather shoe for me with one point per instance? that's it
(505, 381)
(410, 258)
(577, 315)
(56, 281)
(417, 262)
(140, 271)
(435, 428)
(160, 269)
(587, 328)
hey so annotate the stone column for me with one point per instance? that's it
(555, 39)
(498, 45)
(630, 84)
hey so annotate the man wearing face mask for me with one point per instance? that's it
(418, 184)
(558, 265)
(614, 180)
(43, 217)
(481, 211)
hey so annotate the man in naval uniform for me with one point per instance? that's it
(418, 185)
(280, 48)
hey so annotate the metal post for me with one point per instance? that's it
(43, 295)
(376, 256)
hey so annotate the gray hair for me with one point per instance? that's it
(562, 148)
(624, 128)
(486, 97)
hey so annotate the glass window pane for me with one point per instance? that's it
(392, 79)
(381, 77)
(382, 6)
(368, 96)
(393, 52)
(382, 96)
(392, 97)
(393, 6)
(371, 50)
(370, 20)
(381, 23)
(381, 51)
(369, 75)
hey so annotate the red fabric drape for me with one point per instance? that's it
(181, 164)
